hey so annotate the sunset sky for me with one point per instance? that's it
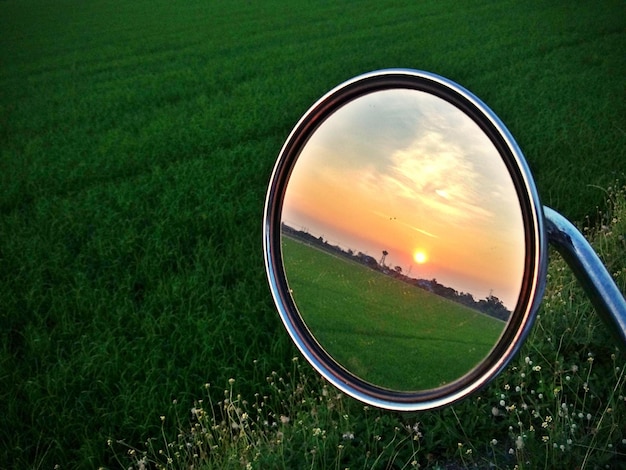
(407, 172)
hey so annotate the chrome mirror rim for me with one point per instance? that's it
(532, 210)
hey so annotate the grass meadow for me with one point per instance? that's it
(136, 142)
(367, 320)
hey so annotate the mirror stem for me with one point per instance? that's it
(588, 268)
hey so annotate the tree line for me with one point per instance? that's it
(490, 305)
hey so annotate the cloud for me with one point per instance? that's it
(432, 177)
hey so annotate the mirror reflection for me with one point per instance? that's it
(403, 239)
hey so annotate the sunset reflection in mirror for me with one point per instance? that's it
(408, 180)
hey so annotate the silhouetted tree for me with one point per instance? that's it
(467, 299)
(494, 307)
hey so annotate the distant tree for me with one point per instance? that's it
(398, 269)
(367, 259)
(443, 291)
(494, 307)
(467, 299)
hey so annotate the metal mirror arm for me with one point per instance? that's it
(590, 271)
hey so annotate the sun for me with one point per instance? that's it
(420, 257)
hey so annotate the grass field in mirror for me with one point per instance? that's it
(136, 143)
(384, 330)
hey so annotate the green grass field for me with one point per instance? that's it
(386, 331)
(136, 142)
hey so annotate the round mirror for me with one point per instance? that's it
(403, 240)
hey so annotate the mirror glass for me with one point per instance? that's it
(402, 239)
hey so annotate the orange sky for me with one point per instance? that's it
(402, 171)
